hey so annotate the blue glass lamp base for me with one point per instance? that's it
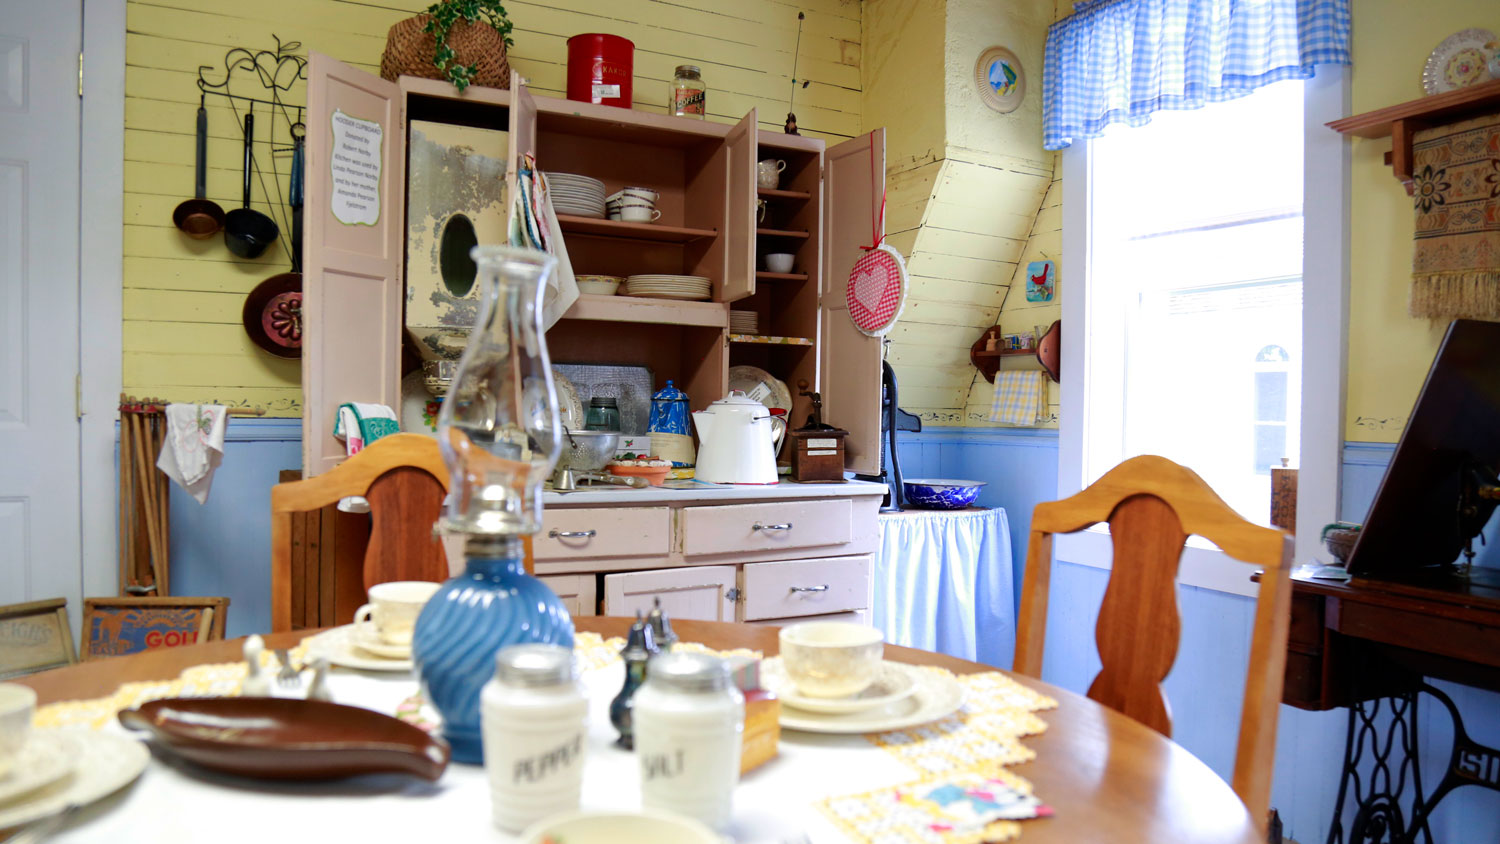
(492, 605)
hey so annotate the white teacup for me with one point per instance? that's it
(831, 659)
(392, 611)
(639, 213)
(780, 262)
(768, 173)
(17, 703)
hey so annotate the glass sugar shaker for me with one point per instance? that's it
(534, 717)
(688, 96)
(688, 721)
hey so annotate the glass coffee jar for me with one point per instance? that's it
(687, 97)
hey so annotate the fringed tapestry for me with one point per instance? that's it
(1456, 266)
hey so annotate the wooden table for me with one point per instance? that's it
(1107, 777)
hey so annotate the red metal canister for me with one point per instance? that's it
(600, 69)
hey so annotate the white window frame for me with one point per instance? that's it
(1325, 305)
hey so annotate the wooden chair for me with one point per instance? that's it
(1152, 505)
(404, 479)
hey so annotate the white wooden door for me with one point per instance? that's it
(700, 593)
(740, 212)
(849, 362)
(354, 218)
(40, 112)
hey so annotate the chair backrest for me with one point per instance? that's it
(404, 479)
(1152, 505)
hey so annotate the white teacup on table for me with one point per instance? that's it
(831, 659)
(384, 626)
(17, 704)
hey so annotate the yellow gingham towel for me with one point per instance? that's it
(1020, 396)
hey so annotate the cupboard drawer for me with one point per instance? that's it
(737, 528)
(856, 617)
(806, 587)
(603, 532)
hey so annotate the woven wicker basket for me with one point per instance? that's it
(409, 50)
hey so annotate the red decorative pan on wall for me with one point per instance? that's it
(273, 315)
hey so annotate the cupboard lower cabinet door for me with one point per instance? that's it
(699, 593)
(856, 617)
(576, 591)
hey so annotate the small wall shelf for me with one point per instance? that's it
(1004, 353)
(1401, 122)
(773, 193)
(769, 340)
(632, 231)
(769, 276)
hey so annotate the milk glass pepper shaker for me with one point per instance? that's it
(640, 646)
(534, 716)
(688, 720)
(661, 627)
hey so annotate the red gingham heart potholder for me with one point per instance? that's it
(876, 291)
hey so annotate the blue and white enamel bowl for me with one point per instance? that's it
(941, 493)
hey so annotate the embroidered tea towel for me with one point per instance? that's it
(1020, 396)
(358, 425)
(1456, 263)
(194, 446)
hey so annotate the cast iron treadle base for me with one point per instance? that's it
(1379, 793)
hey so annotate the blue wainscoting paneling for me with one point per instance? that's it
(1207, 681)
(223, 546)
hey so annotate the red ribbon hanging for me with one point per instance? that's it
(876, 223)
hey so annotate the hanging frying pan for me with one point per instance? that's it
(272, 314)
(199, 218)
(248, 232)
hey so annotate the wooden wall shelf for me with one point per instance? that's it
(769, 340)
(1401, 122)
(782, 233)
(773, 193)
(762, 274)
(632, 231)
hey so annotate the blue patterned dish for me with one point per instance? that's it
(941, 493)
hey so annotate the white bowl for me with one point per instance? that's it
(598, 288)
(831, 659)
(780, 262)
(647, 826)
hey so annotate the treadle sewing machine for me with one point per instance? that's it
(1418, 605)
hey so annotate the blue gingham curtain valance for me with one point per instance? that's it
(1118, 61)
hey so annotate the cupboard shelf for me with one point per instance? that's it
(632, 231)
(1005, 353)
(648, 310)
(782, 233)
(1400, 122)
(769, 340)
(769, 276)
(774, 193)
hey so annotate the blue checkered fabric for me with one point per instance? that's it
(1118, 61)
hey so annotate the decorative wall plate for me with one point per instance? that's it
(1461, 60)
(1000, 79)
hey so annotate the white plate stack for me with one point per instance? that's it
(580, 196)
(744, 322)
(688, 288)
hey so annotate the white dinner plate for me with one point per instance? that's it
(936, 695)
(375, 647)
(106, 763)
(663, 294)
(339, 648)
(893, 683)
(760, 385)
(569, 405)
(47, 757)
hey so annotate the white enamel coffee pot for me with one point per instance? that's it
(738, 438)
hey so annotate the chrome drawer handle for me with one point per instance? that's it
(782, 526)
(570, 534)
(823, 588)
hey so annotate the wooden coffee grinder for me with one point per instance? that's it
(817, 449)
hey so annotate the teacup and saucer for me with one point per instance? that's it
(384, 626)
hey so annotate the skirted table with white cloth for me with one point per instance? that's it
(943, 583)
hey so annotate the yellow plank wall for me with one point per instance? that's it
(965, 183)
(1389, 351)
(183, 340)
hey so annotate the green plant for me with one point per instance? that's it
(444, 15)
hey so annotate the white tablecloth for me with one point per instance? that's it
(176, 802)
(943, 583)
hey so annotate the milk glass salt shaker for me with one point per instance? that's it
(688, 720)
(534, 715)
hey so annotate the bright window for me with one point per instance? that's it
(1195, 293)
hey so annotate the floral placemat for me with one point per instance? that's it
(986, 730)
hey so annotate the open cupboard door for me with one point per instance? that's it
(522, 135)
(351, 277)
(740, 212)
(849, 365)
